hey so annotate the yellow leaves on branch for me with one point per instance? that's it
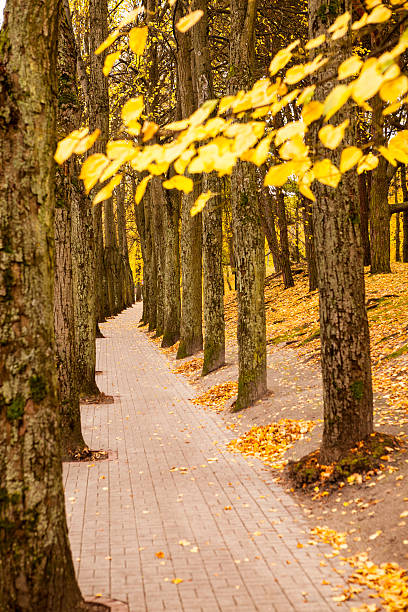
(331, 136)
(182, 183)
(141, 189)
(110, 60)
(187, 22)
(106, 192)
(79, 141)
(131, 111)
(92, 169)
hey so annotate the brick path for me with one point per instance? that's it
(243, 530)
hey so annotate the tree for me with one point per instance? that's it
(345, 341)
(249, 241)
(213, 276)
(36, 570)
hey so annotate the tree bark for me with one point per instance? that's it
(191, 335)
(310, 246)
(64, 312)
(364, 217)
(213, 276)
(172, 298)
(36, 570)
(99, 119)
(268, 224)
(404, 215)
(345, 342)
(128, 289)
(284, 241)
(249, 241)
(158, 238)
(380, 238)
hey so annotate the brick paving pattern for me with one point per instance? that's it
(240, 530)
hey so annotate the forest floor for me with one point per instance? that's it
(368, 514)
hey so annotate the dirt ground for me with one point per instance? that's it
(373, 513)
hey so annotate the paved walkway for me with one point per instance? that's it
(171, 503)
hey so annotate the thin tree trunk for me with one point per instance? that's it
(310, 246)
(249, 241)
(380, 238)
(404, 215)
(268, 224)
(158, 236)
(127, 276)
(345, 350)
(172, 298)
(64, 311)
(36, 570)
(284, 241)
(191, 335)
(364, 217)
(150, 263)
(213, 276)
(99, 119)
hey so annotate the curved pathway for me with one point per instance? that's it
(173, 503)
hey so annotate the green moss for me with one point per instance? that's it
(15, 410)
(401, 351)
(313, 336)
(38, 388)
(182, 351)
(357, 389)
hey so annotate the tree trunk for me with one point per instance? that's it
(191, 335)
(99, 119)
(64, 312)
(345, 350)
(364, 217)
(128, 288)
(380, 238)
(158, 237)
(268, 224)
(213, 276)
(310, 246)
(36, 570)
(284, 241)
(249, 241)
(404, 215)
(142, 231)
(172, 303)
(150, 263)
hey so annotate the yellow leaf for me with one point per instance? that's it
(289, 130)
(315, 42)
(306, 95)
(110, 59)
(349, 158)
(158, 169)
(141, 189)
(130, 17)
(375, 535)
(398, 146)
(388, 155)
(349, 67)
(111, 170)
(122, 149)
(357, 25)
(392, 90)
(367, 163)
(306, 191)
(131, 111)
(106, 192)
(177, 126)
(327, 173)
(201, 114)
(294, 149)
(335, 100)
(92, 169)
(187, 22)
(332, 136)
(278, 175)
(108, 42)
(177, 580)
(149, 129)
(200, 202)
(368, 83)
(182, 162)
(184, 543)
(312, 111)
(182, 183)
(282, 58)
(160, 554)
(137, 39)
(296, 73)
(379, 14)
(86, 143)
(259, 155)
(340, 22)
(67, 145)
(404, 514)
